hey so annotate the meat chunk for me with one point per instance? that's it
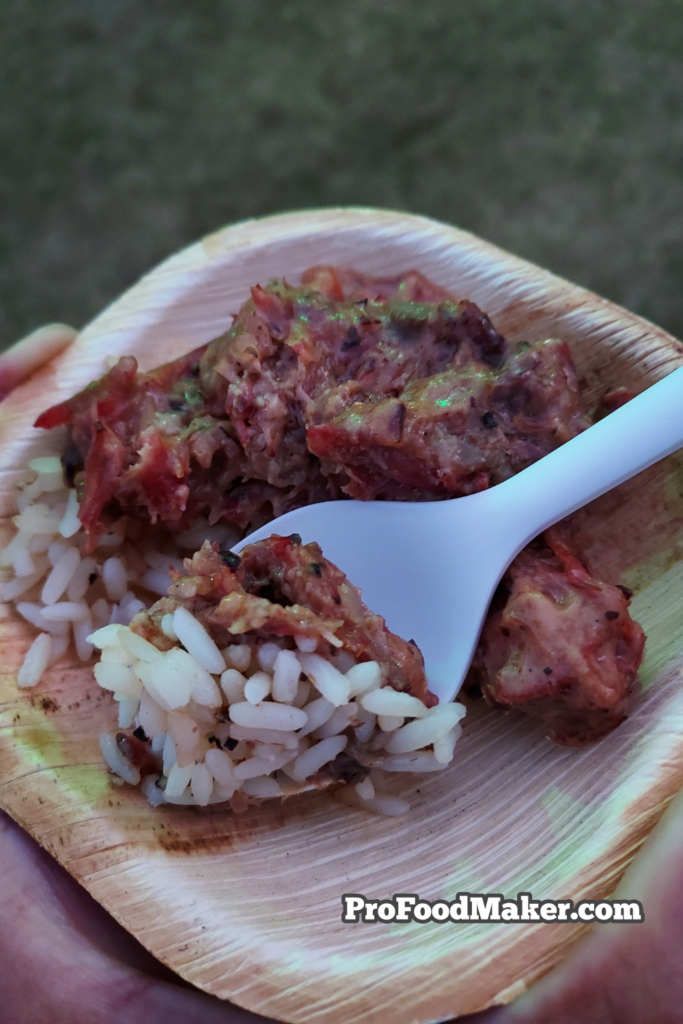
(561, 645)
(458, 431)
(142, 445)
(386, 397)
(349, 386)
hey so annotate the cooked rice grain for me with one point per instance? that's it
(197, 641)
(318, 755)
(268, 715)
(36, 661)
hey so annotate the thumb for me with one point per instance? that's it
(26, 356)
(629, 971)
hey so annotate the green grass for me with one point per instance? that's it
(552, 127)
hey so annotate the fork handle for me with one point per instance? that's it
(630, 439)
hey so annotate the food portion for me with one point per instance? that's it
(559, 645)
(262, 676)
(345, 387)
(365, 389)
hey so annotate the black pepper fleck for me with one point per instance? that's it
(352, 339)
(489, 420)
(547, 671)
(232, 560)
(316, 569)
(611, 616)
(72, 462)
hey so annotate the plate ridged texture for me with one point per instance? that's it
(248, 907)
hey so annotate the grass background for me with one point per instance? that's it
(553, 127)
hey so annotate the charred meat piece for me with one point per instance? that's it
(561, 646)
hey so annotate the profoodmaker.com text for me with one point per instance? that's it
(406, 907)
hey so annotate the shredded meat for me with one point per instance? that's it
(147, 447)
(369, 388)
(347, 386)
(562, 648)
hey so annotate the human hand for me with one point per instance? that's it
(627, 973)
(28, 355)
(63, 959)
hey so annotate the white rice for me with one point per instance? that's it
(61, 576)
(233, 684)
(221, 767)
(80, 581)
(365, 789)
(178, 780)
(424, 731)
(115, 578)
(389, 723)
(197, 641)
(364, 677)
(286, 673)
(387, 701)
(66, 611)
(238, 657)
(33, 614)
(286, 739)
(59, 645)
(47, 465)
(36, 661)
(201, 784)
(318, 755)
(167, 627)
(157, 582)
(318, 711)
(23, 563)
(330, 682)
(268, 716)
(116, 761)
(19, 586)
(340, 719)
(70, 523)
(265, 788)
(256, 717)
(258, 687)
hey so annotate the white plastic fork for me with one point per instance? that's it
(430, 568)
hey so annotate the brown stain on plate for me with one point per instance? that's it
(48, 703)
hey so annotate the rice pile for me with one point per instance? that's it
(255, 720)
